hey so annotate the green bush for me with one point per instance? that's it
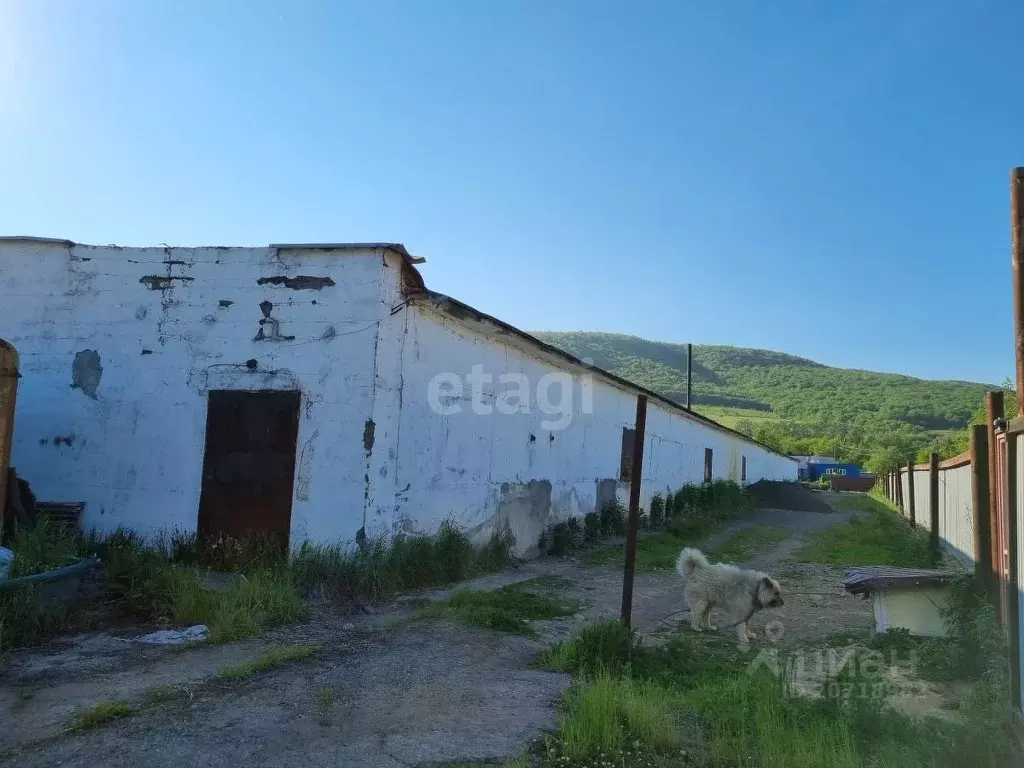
(613, 518)
(657, 514)
(591, 527)
(670, 507)
(561, 539)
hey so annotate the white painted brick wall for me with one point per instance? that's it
(134, 452)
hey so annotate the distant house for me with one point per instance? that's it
(813, 468)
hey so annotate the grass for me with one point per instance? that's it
(380, 569)
(101, 714)
(881, 538)
(162, 580)
(691, 515)
(746, 541)
(509, 609)
(634, 704)
(269, 660)
(162, 692)
(606, 713)
(324, 705)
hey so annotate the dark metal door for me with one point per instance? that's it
(249, 465)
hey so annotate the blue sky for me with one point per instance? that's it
(825, 179)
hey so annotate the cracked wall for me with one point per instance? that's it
(119, 347)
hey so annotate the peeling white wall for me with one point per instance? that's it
(488, 471)
(170, 324)
(133, 451)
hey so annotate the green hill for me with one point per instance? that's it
(793, 403)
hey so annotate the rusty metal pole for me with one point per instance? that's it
(979, 502)
(1017, 238)
(634, 508)
(933, 504)
(911, 506)
(994, 406)
(8, 393)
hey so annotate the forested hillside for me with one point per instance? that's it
(794, 404)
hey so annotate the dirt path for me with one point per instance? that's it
(404, 694)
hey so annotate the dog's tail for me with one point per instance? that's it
(690, 560)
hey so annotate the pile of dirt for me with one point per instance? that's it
(770, 495)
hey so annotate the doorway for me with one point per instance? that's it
(249, 465)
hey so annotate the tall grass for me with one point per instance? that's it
(164, 580)
(690, 515)
(379, 569)
(24, 616)
(606, 714)
(629, 699)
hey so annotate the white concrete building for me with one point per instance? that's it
(317, 391)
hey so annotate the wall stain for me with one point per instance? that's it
(86, 372)
(162, 282)
(368, 435)
(298, 283)
(271, 323)
(305, 462)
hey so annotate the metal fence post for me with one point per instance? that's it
(980, 501)
(1017, 260)
(634, 509)
(933, 503)
(911, 506)
(8, 394)
(993, 410)
(1013, 615)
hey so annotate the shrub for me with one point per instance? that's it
(670, 506)
(592, 527)
(380, 568)
(657, 514)
(613, 518)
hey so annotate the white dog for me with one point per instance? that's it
(741, 593)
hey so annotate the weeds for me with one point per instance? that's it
(657, 514)
(509, 609)
(269, 660)
(163, 580)
(605, 713)
(696, 512)
(883, 538)
(101, 714)
(612, 518)
(379, 569)
(564, 538)
(158, 694)
(692, 700)
(745, 542)
(324, 705)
